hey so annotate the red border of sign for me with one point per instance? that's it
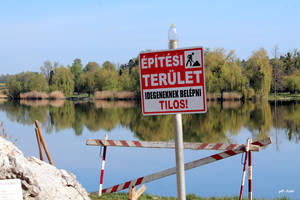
(175, 112)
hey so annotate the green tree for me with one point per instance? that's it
(129, 78)
(291, 61)
(76, 70)
(87, 81)
(62, 80)
(107, 78)
(108, 66)
(135, 79)
(91, 67)
(292, 82)
(223, 72)
(35, 82)
(214, 62)
(14, 87)
(259, 72)
(26, 82)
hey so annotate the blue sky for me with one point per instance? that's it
(33, 31)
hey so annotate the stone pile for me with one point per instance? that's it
(40, 181)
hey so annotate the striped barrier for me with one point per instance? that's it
(187, 166)
(186, 145)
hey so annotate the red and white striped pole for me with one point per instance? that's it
(102, 168)
(244, 169)
(250, 175)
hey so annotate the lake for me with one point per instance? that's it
(66, 126)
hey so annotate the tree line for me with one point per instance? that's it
(75, 78)
(255, 77)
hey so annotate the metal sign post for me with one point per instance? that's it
(179, 149)
(179, 157)
(173, 82)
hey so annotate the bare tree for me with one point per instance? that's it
(47, 68)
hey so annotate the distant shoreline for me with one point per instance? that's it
(131, 96)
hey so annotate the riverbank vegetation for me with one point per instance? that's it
(227, 75)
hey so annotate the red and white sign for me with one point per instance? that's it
(173, 81)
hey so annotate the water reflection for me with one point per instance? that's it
(217, 125)
(286, 116)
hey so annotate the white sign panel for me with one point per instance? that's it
(173, 81)
(10, 189)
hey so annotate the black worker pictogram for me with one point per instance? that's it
(190, 61)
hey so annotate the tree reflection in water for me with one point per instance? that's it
(217, 125)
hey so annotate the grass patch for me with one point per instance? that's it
(82, 95)
(284, 96)
(124, 196)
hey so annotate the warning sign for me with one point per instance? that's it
(173, 81)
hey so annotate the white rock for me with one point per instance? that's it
(39, 179)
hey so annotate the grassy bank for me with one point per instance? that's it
(124, 196)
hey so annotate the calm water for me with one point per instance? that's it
(67, 126)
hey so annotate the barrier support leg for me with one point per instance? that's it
(102, 167)
(244, 169)
(250, 175)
